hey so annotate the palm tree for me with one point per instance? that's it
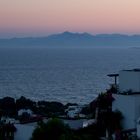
(107, 119)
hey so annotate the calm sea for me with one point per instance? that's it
(62, 74)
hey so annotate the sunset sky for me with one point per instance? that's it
(44, 17)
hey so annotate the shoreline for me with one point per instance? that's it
(16, 108)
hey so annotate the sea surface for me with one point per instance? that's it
(75, 75)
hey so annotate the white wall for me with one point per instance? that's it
(24, 131)
(138, 130)
(129, 107)
(129, 80)
(137, 106)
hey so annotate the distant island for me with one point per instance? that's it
(69, 39)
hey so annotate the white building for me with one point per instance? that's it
(24, 131)
(129, 105)
(129, 80)
(127, 99)
(138, 128)
(73, 111)
(28, 111)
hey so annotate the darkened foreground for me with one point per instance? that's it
(106, 121)
(10, 107)
(57, 130)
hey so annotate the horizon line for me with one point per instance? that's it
(58, 33)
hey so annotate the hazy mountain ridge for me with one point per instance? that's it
(68, 39)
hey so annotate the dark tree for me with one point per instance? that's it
(24, 103)
(54, 129)
(7, 106)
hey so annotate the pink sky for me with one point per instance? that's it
(44, 17)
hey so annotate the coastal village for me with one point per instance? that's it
(113, 115)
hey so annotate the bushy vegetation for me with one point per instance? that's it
(107, 120)
(50, 108)
(55, 129)
(9, 107)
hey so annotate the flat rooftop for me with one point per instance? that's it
(113, 75)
